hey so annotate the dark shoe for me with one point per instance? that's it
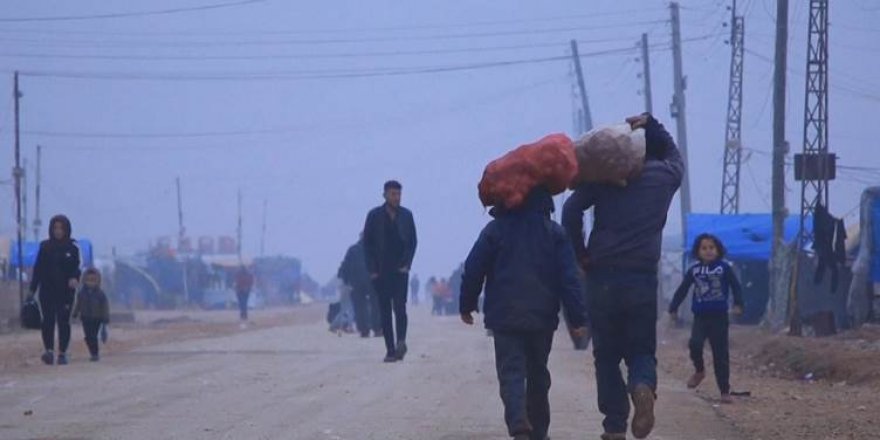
(95, 358)
(726, 399)
(365, 335)
(378, 334)
(401, 351)
(615, 436)
(62, 359)
(643, 421)
(696, 379)
(522, 437)
(48, 358)
(390, 359)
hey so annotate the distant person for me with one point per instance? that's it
(244, 282)
(414, 286)
(390, 245)
(712, 281)
(620, 263)
(55, 279)
(528, 267)
(93, 308)
(353, 272)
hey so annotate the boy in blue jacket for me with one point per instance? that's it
(528, 266)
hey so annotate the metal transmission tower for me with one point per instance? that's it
(733, 132)
(815, 167)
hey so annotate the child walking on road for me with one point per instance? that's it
(92, 306)
(713, 281)
(528, 266)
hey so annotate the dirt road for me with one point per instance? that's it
(298, 381)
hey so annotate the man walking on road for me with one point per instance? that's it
(390, 245)
(353, 272)
(414, 286)
(621, 277)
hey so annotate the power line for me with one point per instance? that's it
(312, 74)
(297, 56)
(324, 41)
(470, 102)
(343, 29)
(130, 14)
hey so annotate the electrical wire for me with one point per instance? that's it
(130, 14)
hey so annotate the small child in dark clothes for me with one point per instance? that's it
(713, 281)
(94, 309)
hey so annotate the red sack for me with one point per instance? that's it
(551, 162)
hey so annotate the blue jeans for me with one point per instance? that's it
(623, 309)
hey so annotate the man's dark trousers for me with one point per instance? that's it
(392, 290)
(243, 298)
(715, 327)
(361, 302)
(623, 311)
(524, 380)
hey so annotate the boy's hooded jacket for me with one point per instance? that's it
(528, 266)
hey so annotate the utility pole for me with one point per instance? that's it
(585, 103)
(181, 237)
(38, 224)
(263, 229)
(239, 231)
(815, 167)
(646, 74)
(24, 197)
(678, 112)
(733, 132)
(17, 174)
(778, 287)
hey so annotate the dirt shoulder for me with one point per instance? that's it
(21, 349)
(801, 388)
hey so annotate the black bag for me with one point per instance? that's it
(333, 311)
(30, 315)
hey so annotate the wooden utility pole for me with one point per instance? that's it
(678, 112)
(585, 103)
(17, 174)
(778, 290)
(239, 231)
(646, 75)
(38, 224)
(263, 229)
(181, 237)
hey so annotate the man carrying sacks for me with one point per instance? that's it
(620, 262)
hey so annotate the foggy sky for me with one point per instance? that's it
(319, 149)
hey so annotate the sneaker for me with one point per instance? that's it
(95, 358)
(726, 399)
(390, 358)
(378, 334)
(614, 436)
(522, 437)
(62, 359)
(696, 379)
(365, 334)
(48, 358)
(401, 351)
(643, 421)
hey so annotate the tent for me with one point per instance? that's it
(746, 236)
(31, 248)
(866, 268)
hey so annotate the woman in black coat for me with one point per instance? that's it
(56, 277)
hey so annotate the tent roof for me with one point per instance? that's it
(746, 236)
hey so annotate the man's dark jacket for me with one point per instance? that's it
(375, 240)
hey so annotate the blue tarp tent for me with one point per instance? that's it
(746, 236)
(32, 247)
(875, 227)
